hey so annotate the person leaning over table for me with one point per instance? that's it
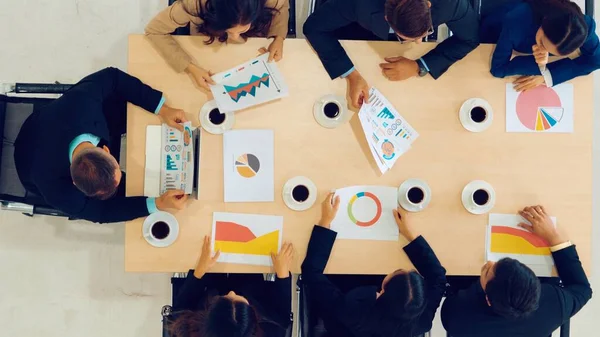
(509, 300)
(541, 28)
(239, 305)
(68, 151)
(231, 21)
(406, 302)
(404, 20)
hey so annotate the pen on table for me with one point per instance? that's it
(333, 198)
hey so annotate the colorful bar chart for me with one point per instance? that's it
(171, 165)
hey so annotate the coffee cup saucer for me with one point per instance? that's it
(173, 226)
(331, 123)
(289, 200)
(209, 126)
(403, 191)
(464, 115)
(467, 199)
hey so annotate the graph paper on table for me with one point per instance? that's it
(506, 239)
(177, 158)
(254, 82)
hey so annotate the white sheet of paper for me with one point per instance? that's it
(246, 238)
(368, 131)
(541, 109)
(254, 82)
(152, 167)
(248, 166)
(359, 217)
(542, 265)
(177, 160)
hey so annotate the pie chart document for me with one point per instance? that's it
(541, 109)
(248, 166)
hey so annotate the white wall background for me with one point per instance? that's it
(64, 278)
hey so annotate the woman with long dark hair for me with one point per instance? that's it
(541, 28)
(400, 304)
(232, 21)
(222, 305)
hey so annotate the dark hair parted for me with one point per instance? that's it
(563, 23)
(514, 292)
(223, 318)
(398, 309)
(411, 18)
(220, 15)
(93, 172)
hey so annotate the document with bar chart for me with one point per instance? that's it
(177, 159)
(254, 82)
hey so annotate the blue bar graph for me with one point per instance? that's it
(171, 166)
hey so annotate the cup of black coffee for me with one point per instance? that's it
(481, 197)
(160, 230)
(478, 114)
(415, 195)
(300, 193)
(216, 117)
(331, 110)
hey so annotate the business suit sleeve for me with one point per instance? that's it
(323, 292)
(279, 294)
(577, 290)
(464, 25)
(113, 83)
(502, 64)
(190, 294)
(64, 196)
(159, 30)
(319, 30)
(589, 60)
(428, 265)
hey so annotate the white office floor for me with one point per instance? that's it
(66, 279)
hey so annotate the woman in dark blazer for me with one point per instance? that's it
(222, 305)
(404, 304)
(541, 28)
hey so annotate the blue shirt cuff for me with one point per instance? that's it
(151, 205)
(344, 75)
(160, 104)
(424, 64)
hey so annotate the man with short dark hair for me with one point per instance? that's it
(402, 20)
(63, 151)
(509, 299)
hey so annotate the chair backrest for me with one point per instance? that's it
(12, 116)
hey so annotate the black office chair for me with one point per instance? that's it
(167, 313)
(14, 110)
(291, 24)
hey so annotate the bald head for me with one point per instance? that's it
(96, 173)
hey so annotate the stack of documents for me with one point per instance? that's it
(389, 135)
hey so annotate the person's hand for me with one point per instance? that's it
(540, 54)
(541, 225)
(283, 260)
(523, 83)
(329, 209)
(275, 49)
(171, 199)
(172, 117)
(206, 261)
(399, 68)
(201, 76)
(358, 89)
(402, 223)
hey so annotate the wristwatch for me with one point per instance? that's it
(422, 70)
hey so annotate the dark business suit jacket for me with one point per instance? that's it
(272, 300)
(333, 14)
(344, 314)
(514, 28)
(42, 146)
(467, 314)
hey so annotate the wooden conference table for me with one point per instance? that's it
(550, 169)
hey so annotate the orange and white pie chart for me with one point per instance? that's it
(247, 165)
